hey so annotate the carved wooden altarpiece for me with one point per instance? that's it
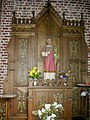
(28, 37)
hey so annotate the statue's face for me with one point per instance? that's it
(49, 41)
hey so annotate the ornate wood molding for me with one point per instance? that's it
(23, 28)
(52, 83)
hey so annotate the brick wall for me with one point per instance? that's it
(1, 80)
(24, 8)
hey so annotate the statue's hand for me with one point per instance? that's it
(43, 54)
(47, 53)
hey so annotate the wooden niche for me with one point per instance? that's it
(68, 37)
(28, 37)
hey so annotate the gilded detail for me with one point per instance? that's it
(58, 97)
(22, 62)
(72, 30)
(22, 28)
(73, 48)
(22, 98)
(74, 68)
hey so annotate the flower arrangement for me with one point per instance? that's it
(65, 74)
(34, 73)
(49, 111)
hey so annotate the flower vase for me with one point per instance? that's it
(35, 82)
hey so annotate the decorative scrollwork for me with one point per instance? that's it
(21, 97)
(22, 61)
(3, 110)
(52, 83)
(74, 68)
(73, 48)
(23, 28)
(75, 101)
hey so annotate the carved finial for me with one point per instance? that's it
(82, 21)
(33, 18)
(81, 16)
(33, 13)
(14, 20)
(14, 13)
(48, 3)
(64, 15)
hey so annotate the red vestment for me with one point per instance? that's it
(49, 62)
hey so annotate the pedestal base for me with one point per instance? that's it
(49, 75)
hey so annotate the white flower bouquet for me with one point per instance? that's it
(49, 112)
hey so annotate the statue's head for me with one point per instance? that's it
(49, 41)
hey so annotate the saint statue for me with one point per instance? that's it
(50, 55)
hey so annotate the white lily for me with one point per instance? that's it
(39, 113)
(53, 115)
(47, 106)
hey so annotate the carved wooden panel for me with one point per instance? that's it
(58, 96)
(75, 102)
(21, 102)
(73, 49)
(39, 96)
(74, 68)
(22, 61)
